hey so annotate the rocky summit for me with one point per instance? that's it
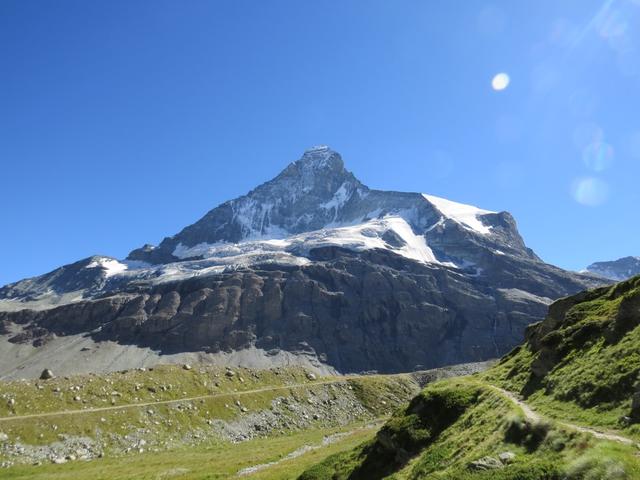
(312, 267)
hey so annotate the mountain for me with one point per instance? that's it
(316, 202)
(564, 405)
(617, 270)
(312, 267)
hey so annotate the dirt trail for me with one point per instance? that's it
(165, 402)
(534, 416)
(326, 441)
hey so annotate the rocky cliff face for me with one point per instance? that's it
(354, 311)
(312, 263)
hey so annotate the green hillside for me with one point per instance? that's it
(558, 407)
(130, 424)
(583, 361)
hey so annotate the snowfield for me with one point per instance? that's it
(111, 266)
(365, 236)
(466, 215)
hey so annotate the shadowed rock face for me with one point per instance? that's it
(368, 311)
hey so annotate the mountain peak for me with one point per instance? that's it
(315, 195)
(321, 157)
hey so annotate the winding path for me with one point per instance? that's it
(529, 413)
(534, 416)
(177, 400)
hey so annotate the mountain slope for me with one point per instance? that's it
(311, 267)
(577, 370)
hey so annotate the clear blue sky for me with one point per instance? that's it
(123, 121)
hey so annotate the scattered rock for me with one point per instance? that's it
(507, 457)
(46, 374)
(3, 437)
(486, 463)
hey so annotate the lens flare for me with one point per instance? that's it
(598, 156)
(590, 191)
(500, 81)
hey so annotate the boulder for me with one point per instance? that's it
(486, 463)
(46, 374)
(507, 457)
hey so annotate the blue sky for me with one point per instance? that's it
(123, 121)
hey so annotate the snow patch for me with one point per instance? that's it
(466, 215)
(111, 266)
(339, 198)
(255, 220)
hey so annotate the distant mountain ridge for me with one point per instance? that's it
(312, 264)
(616, 270)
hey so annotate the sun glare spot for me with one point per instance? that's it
(500, 81)
(590, 191)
